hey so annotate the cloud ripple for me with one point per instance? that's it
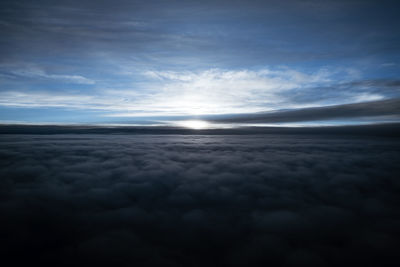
(119, 200)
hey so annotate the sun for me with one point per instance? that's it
(194, 124)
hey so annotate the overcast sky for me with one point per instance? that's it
(140, 61)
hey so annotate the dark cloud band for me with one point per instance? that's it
(390, 107)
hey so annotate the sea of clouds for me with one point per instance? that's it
(198, 200)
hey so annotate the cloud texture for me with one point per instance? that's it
(390, 108)
(108, 60)
(175, 200)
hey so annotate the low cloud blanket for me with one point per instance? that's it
(198, 200)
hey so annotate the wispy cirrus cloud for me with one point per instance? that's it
(37, 73)
(33, 72)
(212, 91)
(217, 91)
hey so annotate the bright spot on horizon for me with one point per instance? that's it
(194, 124)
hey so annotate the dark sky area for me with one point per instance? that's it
(155, 61)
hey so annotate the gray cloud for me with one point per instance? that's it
(88, 28)
(378, 130)
(389, 88)
(389, 107)
(199, 200)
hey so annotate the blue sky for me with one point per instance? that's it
(149, 61)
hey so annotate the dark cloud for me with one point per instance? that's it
(389, 107)
(199, 200)
(390, 88)
(276, 31)
(381, 130)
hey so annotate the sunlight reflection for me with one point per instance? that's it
(194, 124)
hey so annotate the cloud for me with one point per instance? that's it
(198, 57)
(217, 91)
(390, 107)
(46, 99)
(199, 200)
(33, 72)
(251, 31)
(375, 129)
(212, 91)
(267, 95)
(355, 90)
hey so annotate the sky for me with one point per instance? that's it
(150, 62)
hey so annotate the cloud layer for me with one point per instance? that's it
(199, 200)
(358, 111)
(192, 93)
(184, 57)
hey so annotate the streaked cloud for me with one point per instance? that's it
(213, 91)
(33, 72)
(390, 107)
(153, 58)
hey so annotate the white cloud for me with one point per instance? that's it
(364, 97)
(217, 91)
(213, 91)
(34, 72)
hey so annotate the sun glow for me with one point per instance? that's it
(194, 124)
